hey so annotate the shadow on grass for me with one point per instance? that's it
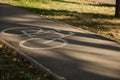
(103, 5)
(91, 21)
(53, 12)
(100, 4)
(84, 20)
(67, 1)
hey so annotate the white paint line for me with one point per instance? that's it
(37, 31)
(24, 32)
(64, 42)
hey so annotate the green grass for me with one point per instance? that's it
(14, 67)
(94, 17)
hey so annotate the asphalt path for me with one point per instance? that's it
(68, 52)
(105, 1)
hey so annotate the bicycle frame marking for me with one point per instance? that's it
(36, 32)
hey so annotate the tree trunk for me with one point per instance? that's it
(117, 12)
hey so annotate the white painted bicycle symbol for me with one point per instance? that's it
(38, 38)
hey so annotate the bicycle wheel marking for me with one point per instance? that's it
(36, 31)
(56, 38)
(64, 42)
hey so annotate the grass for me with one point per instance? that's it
(14, 67)
(94, 17)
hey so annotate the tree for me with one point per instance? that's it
(117, 12)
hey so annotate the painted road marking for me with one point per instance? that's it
(32, 33)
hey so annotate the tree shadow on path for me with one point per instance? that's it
(86, 57)
(76, 60)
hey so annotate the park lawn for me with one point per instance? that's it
(14, 67)
(91, 16)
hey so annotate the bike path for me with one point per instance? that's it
(68, 52)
